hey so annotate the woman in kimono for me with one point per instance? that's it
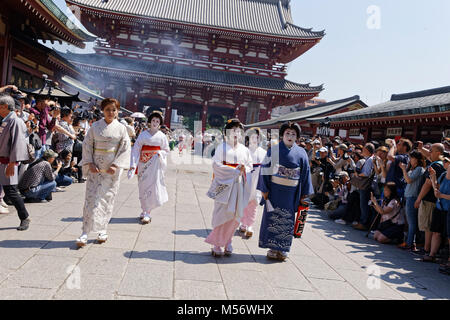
(232, 164)
(284, 181)
(149, 156)
(257, 153)
(106, 152)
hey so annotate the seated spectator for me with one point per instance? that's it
(392, 220)
(68, 170)
(413, 179)
(38, 182)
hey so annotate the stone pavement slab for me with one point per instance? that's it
(168, 258)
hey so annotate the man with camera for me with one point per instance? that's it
(343, 161)
(13, 150)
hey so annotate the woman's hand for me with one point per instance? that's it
(432, 172)
(372, 198)
(402, 165)
(437, 194)
(112, 170)
(417, 203)
(93, 168)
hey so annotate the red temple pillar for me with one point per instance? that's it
(204, 115)
(168, 115)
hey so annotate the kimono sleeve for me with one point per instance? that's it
(136, 151)
(264, 178)
(19, 151)
(305, 177)
(88, 148)
(165, 145)
(123, 154)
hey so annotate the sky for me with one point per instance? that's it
(371, 48)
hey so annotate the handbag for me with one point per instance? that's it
(388, 223)
(77, 147)
(363, 183)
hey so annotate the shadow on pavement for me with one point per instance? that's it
(384, 256)
(41, 244)
(195, 257)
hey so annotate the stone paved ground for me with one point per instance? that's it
(169, 259)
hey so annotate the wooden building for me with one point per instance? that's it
(322, 110)
(23, 60)
(205, 58)
(422, 115)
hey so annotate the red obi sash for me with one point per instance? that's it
(256, 165)
(234, 165)
(147, 152)
(4, 160)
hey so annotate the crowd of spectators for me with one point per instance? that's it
(398, 191)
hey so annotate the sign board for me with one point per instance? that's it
(447, 133)
(354, 132)
(393, 132)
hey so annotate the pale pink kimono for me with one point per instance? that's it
(229, 192)
(258, 154)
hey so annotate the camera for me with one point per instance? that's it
(346, 156)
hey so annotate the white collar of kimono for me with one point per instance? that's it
(231, 146)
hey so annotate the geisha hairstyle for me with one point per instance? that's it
(232, 123)
(290, 125)
(157, 114)
(109, 101)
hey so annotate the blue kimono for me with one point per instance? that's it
(286, 181)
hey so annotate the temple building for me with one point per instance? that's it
(421, 115)
(23, 60)
(208, 59)
(320, 111)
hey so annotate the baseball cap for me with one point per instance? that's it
(343, 147)
(316, 142)
(323, 149)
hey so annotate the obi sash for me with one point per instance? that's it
(4, 160)
(284, 181)
(147, 152)
(256, 165)
(234, 165)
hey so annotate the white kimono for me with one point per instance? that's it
(228, 187)
(258, 154)
(104, 145)
(152, 188)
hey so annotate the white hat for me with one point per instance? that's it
(316, 142)
(323, 149)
